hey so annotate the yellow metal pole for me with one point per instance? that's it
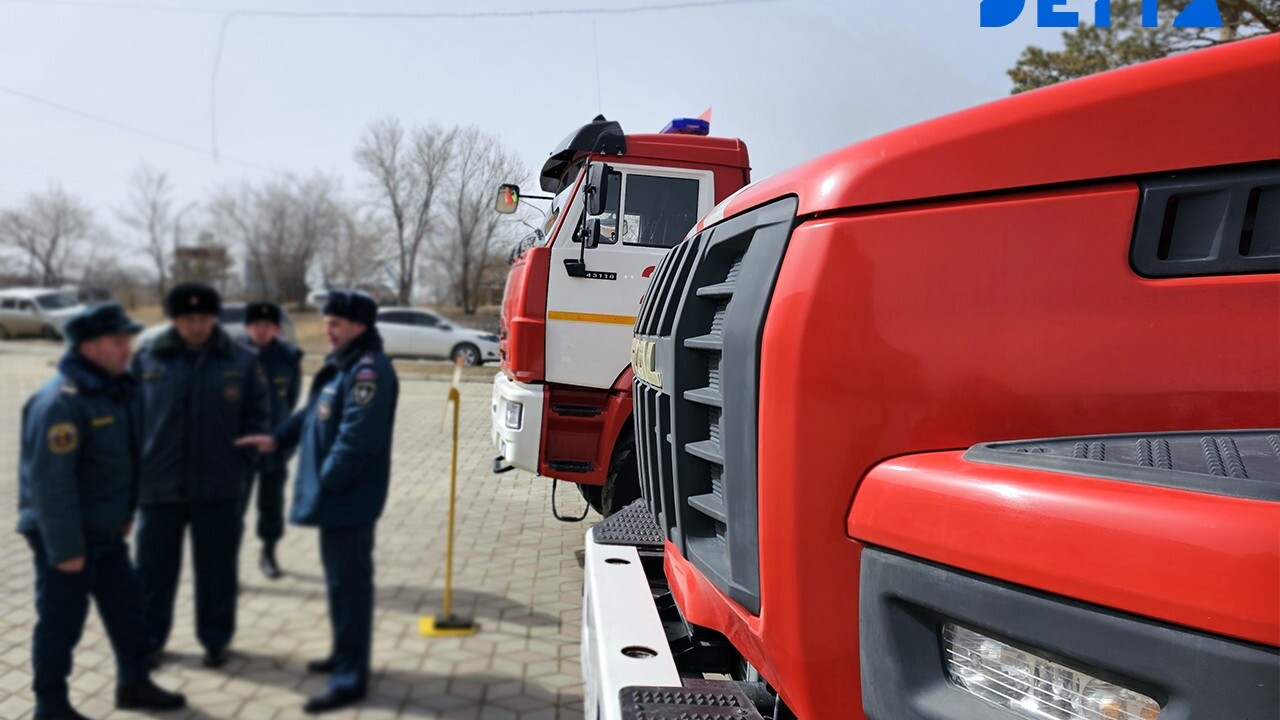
(447, 623)
(455, 398)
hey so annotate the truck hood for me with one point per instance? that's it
(1159, 116)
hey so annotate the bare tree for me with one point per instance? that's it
(48, 230)
(405, 177)
(478, 239)
(355, 252)
(281, 226)
(150, 211)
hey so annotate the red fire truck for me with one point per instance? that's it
(562, 402)
(971, 420)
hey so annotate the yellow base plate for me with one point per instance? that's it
(427, 626)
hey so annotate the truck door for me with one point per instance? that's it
(589, 319)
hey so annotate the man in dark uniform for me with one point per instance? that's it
(344, 471)
(78, 485)
(282, 364)
(200, 392)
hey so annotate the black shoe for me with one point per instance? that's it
(267, 563)
(148, 696)
(216, 658)
(321, 667)
(331, 700)
(68, 714)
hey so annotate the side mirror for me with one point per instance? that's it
(508, 199)
(591, 238)
(597, 188)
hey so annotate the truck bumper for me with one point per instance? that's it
(640, 659)
(623, 640)
(518, 445)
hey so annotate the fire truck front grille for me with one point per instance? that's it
(696, 406)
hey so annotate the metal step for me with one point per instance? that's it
(571, 466)
(701, 699)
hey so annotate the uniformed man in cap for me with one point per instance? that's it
(78, 482)
(282, 364)
(344, 470)
(200, 392)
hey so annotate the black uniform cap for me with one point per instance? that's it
(352, 305)
(97, 320)
(192, 299)
(263, 311)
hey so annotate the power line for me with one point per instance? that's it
(465, 15)
(229, 16)
(178, 10)
(383, 15)
(121, 126)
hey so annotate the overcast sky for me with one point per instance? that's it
(793, 78)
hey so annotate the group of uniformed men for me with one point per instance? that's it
(176, 436)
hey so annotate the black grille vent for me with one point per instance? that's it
(1225, 222)
(1240, 463)
(655, 317)
(696, 434)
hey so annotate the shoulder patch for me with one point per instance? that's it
(367, 374)
(367, 358)
(63, 438)
(363, 392)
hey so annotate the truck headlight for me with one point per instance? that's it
(515, 415)
(1032, 686)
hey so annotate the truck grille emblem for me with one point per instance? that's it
(643, 362)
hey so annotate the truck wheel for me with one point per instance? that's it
(469, 353)
(48, 333)
(622, 485)
(4, 333)
(593, 495)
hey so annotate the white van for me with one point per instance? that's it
(36, 312)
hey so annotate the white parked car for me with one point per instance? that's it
(36, 311)
(412, 332)
(232, 321)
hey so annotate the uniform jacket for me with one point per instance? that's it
(78, 464)
(344, 437)
(281, 363)
(195, 404)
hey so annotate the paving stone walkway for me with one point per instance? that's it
(517, 572)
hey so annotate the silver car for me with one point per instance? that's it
(417, 333)
(36, 312)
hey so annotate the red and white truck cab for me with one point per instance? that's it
(562, 402)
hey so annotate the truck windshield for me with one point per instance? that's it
(56, 301)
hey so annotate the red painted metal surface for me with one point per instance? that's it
(1203, 561)
(1210, 107)
(524, 317)
(918, 329)
(584, 439)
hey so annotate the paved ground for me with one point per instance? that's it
(517, 573)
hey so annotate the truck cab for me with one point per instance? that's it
(976, 419)
(562, 401)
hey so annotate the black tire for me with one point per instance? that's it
(48, 333)
(622, 484)
(594, 495)
(4, 333)
(469, 353)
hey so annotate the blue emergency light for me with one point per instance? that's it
(687, 126)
